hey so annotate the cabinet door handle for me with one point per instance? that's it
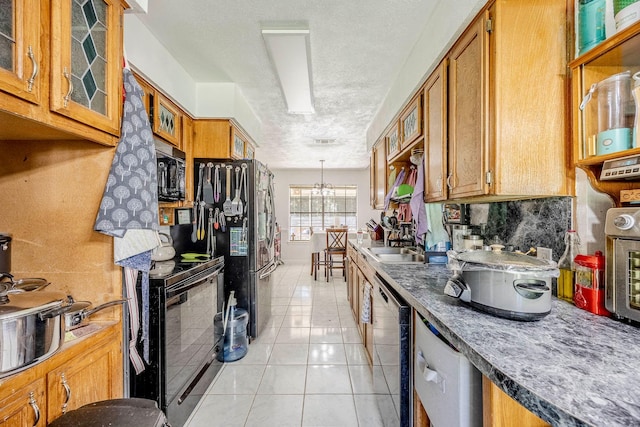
(67, 391)
(67, 76)
(36, 410)
(449, 181)
(32, 79)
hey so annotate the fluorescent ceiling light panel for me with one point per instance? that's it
(289, 52)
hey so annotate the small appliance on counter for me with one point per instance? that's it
(622, 263)
(588, 291)
(171, 172)
(506, 284)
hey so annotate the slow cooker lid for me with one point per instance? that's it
(509, 260)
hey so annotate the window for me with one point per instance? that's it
(309, 211)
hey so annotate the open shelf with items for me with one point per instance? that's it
(618, 54)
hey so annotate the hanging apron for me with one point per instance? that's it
(129, 208)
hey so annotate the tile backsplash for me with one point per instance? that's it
(525, 223)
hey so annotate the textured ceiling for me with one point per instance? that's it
(357, 49)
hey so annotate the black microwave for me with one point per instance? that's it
(171, 172)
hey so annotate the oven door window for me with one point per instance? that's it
(189, 332)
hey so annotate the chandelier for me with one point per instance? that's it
(323, 188)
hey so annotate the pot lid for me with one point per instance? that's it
(497, 258)
(26, 303)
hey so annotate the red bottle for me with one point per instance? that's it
(588, 292)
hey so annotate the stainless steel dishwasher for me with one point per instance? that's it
(392, 351)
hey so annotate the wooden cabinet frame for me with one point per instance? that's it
(168, 129)
(411, 122)
(616, 54)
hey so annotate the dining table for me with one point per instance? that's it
(318, 244)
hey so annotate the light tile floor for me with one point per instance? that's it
(307, 368)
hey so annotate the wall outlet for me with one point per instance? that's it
(544, 253)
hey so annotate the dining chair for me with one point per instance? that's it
(336, 247)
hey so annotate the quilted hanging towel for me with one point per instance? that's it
(365, 315)
(129, 207)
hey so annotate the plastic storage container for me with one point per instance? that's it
(449, 386)
(589, 283)
(614, 111)
(591, 29)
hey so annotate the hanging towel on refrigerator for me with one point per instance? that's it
(129, 207)
(417, 205)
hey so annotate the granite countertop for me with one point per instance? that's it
(572, 368)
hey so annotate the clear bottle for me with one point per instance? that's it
(567, 265)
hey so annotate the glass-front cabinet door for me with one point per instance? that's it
(20, 50)
(86, 64)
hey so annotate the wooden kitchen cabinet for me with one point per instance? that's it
(411, 122)
(19, 70)
(468, 89)
(64, 80)
(220, 139)
(392, 138)
(167, 119)
(91, 367)
(86, 62)
(500, 410)
(507, 126)
(618, 53)
(25, 407)
(435, 130)
(378, 175)
(83, 379)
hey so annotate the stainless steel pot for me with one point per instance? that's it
(23, 285)
(79, 312)
(5, 253)
(31, 327)
(506, 284)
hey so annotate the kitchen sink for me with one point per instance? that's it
(386, 250)
(395, 255)
(401, 258)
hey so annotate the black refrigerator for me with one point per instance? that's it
(234, 216)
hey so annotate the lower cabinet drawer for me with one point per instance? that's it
(449, 386)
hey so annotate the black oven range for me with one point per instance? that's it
(183, 348)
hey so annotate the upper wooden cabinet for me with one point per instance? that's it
(507, 104)
(468, 109)
(86, 62)
(411, 122)
(617, 54)
(61, 70)
(21, 52)
(378, 178)
(221, 139)
(167, 119)
(435, 131)
(392, 140)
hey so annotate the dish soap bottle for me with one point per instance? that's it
(567, 265)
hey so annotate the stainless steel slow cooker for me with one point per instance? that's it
(31, 327)
(505, 284)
